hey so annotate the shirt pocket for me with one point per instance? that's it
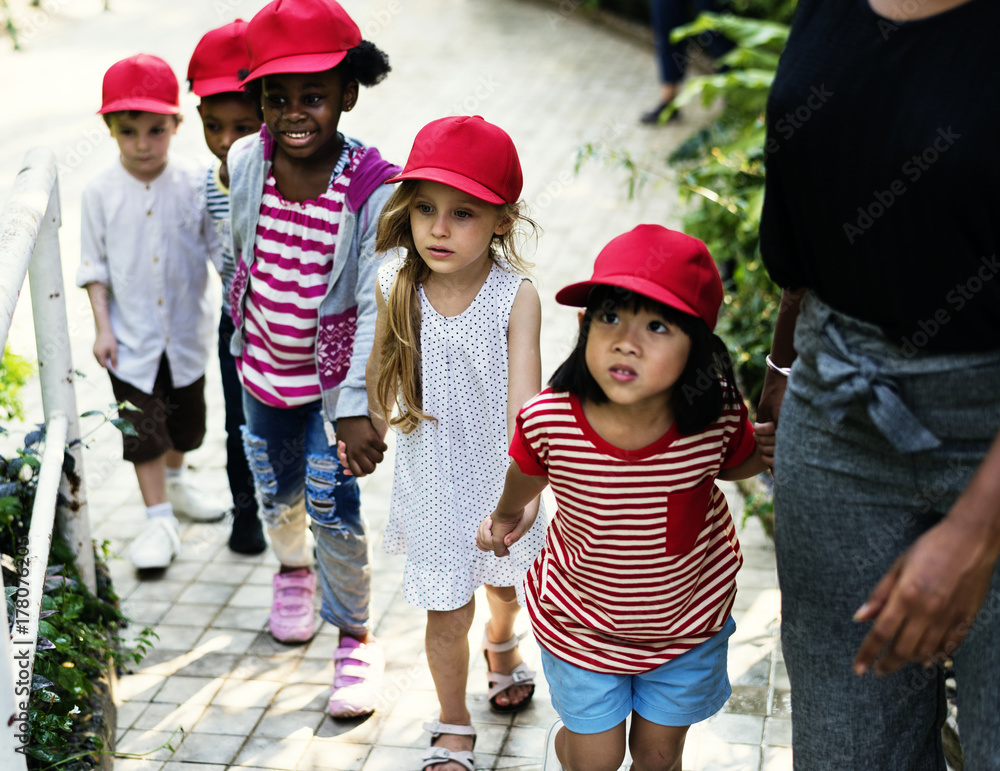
(686, 514)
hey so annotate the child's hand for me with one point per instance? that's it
(497, 535)
(342, 455)
(106, 349)
(484, 535)
(765, 434)
(359, 446)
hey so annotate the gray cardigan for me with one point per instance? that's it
(346, 328)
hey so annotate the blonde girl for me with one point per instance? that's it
(456, 355)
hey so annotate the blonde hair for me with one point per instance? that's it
(398, 383)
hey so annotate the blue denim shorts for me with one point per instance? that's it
(685, 690)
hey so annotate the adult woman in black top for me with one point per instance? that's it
(882, 224)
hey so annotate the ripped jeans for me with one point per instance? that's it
(300, 487)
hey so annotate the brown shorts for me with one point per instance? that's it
(167, 419)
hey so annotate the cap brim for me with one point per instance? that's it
(452, 179)
(296, 63)
(220, 85)
(578, 294)
(141, 104)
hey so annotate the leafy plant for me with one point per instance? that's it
(719, 173)
(78, 634)
(14, 373)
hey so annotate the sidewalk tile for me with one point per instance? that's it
(254, 667)
(233, 617)
(735, 729)
(246, 693)
(227, 640)
(181, 638)
(189, 690)
(282, 755)
(327, 755)
(209, 748)
(363, 730)
(152, 745)
(190, 615)
(139, 687)
(294, 724)
(235, 721)
(226, 573)
(775, 759)
(302, 696)
(165, 716)
(778, 732)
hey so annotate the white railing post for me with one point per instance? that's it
(19, 224)
(13, 705)
(57, 376)
(29, 243)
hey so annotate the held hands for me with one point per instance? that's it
(925, 605)
(359, 445)
(497, 535)
(106, 349)
(764, 433)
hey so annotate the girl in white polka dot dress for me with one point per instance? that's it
(456, 356)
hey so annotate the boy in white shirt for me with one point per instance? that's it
(146, 241)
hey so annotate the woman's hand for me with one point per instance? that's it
(925, 605)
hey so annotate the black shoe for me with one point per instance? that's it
(652, 118)
(247, 536)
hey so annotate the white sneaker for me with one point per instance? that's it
(157, 544)
(191, 503)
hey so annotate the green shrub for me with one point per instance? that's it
(14, 373)
(719, 173)
(78, 635)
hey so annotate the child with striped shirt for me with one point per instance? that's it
(305, 204)
(630, 598)
(227, 114)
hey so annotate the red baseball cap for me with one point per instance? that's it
(299, 36)
(141, 82)
(664, 265)
(219, 56)
(469, 154)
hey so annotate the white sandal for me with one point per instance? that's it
(498, 682)
(436, 756)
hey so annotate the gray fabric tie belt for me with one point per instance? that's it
(854, 377)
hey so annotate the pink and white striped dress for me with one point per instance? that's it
(293, 259)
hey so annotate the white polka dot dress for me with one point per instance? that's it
(449, 475)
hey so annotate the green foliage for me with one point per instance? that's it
(14, 373)
(78, 633)
(720, 175)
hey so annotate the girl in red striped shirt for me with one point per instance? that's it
(630, 598)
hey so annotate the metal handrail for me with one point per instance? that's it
(29, 246)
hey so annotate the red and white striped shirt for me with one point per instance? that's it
(293, 260)
(639, 564)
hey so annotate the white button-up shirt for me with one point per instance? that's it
(150, 243)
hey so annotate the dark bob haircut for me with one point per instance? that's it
(366, 64)
(704, 388)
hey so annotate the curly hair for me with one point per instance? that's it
(366, 64)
